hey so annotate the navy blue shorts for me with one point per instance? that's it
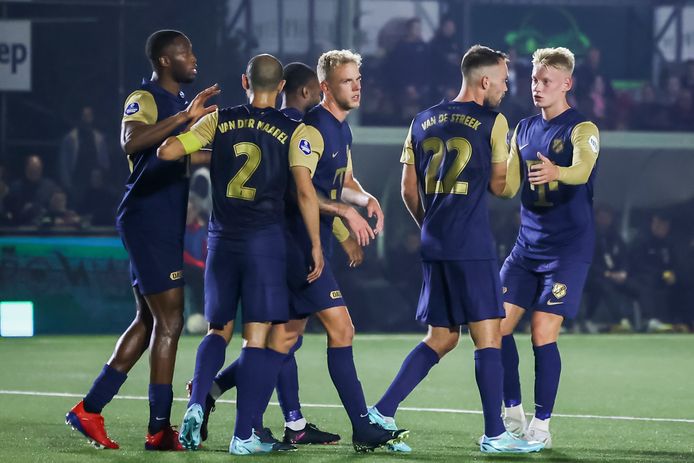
(551, 286)
(156, 259)
(307, 299)
(457, 292)
(251, 271)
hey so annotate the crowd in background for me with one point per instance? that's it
(643, 285)
(411, 74)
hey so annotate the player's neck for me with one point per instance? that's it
(467, 94)
(166, 82)
(263, 99)
(334, 109)
(296, 104)
(555, 110)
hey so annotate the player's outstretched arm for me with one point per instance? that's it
(137, 135)
(354, 193)
(308, 205)
(355, 254)
(358, 225)
(199, 135)
(410, 193)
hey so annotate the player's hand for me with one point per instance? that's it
(197, 109)
(544, 172)
(359, 226)
(318, 263)
(373, 207)
(355, 254)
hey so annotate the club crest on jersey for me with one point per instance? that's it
(132, 108)
(305, 146)
(559, 290)
(557, 145)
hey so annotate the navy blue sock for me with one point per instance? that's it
(160, 400)
(105, 387)
(288, 385)
(547, 372)
(413, 370)
(509, 358)
(256, 378)
(488, 373)
(344, 376)
(226, 379)
(209, 359)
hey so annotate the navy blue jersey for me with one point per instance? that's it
(556, 218)
(332, 140)
(156, 192)
(252, 151)
(452, 146)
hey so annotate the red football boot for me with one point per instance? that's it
(91, 425)
(166, 439)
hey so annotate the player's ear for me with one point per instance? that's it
(568, 83)
(280, 86)
(324, 87)
(485, 82)
(304, 93)
(164, 61)
(244, 82)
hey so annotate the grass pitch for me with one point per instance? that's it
(621, 399)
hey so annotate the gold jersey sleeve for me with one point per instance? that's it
(585, 138)
(513, 170)
(340, 230)
(407, 156)
(349, 159)
(201, 133)
(305, 148)
(141, 107)
(498, 139)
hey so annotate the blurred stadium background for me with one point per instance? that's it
(66, 67)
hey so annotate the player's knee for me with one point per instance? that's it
(170, 326)
(341, 336)
(442, 344)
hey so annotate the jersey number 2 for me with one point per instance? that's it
(236, 187)
(450, 183)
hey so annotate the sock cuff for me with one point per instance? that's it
(487, 352)
(275, 355)
(546, 347)
(508, 338)
(214, 338)
(424, 348)
(119, 375)
(340, 350)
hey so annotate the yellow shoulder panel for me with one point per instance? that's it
(498, 139)
(407, 156)
(140, 106)
(305, 148)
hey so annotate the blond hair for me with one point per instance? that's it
(330, 60)
(558, 58)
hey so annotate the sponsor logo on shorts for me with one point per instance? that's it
(176, 275)
(559, 290)
(335, 294)
(132, 108)
(504, 290)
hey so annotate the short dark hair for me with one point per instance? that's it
(264, 72)
(479, 56)
(297, 75)
(158, 41)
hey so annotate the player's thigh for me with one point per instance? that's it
(486, 333)
(223, 273)
(514, 314)
(338, 325)
(545, 327)
(442, 339)
(562, 288)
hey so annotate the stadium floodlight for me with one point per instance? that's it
(16, 319)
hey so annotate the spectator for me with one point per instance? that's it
(673, 87)
(5, 217)
(82, 150)
(608, 278)
(29, 196)
(682, 115)
(650, 114)
(688, 75)
(98, 203)
(407, 69)
(58, 214)
(587, 72)
(445, 60)
(656, 274)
